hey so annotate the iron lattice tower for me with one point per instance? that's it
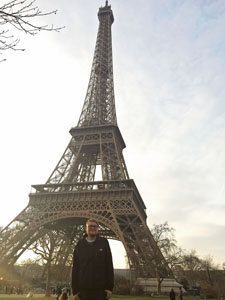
(71, 193)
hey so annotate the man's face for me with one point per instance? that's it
(91, 229)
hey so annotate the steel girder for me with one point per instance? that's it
(99, 104)
(116, 205)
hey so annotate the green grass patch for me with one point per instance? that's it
(25, 298)
(115, 297)
(129, 297)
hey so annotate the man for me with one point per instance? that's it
(180, 293)
(92, 273)
(172, 295)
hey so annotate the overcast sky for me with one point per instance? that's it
(169, 62)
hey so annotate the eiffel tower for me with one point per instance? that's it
(71, 194)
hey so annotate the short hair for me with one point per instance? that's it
(92, 220)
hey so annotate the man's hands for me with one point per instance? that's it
(76, 297)
(108, 294)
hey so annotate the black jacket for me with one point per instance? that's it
(92, 266)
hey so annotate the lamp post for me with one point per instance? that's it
(1, 278)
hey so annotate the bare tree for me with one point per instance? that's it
(191, 266)
(212, 279)
(45, 247)
(165, 239)
(203, 273)
(22, 15)
(29, 270)
(55, 250)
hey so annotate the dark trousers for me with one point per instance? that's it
(93, 295)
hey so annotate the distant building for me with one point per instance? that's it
(122, 273)
(149, 285)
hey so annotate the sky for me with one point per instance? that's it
(169, 61)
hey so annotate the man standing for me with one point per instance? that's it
(92, 273)
(180, 293)
(172, 295)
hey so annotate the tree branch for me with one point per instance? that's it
(21, 14)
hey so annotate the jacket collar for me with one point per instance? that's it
(85, 235)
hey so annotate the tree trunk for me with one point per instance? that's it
(48, 279)
(159, 282)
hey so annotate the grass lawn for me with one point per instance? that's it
(115, 297)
